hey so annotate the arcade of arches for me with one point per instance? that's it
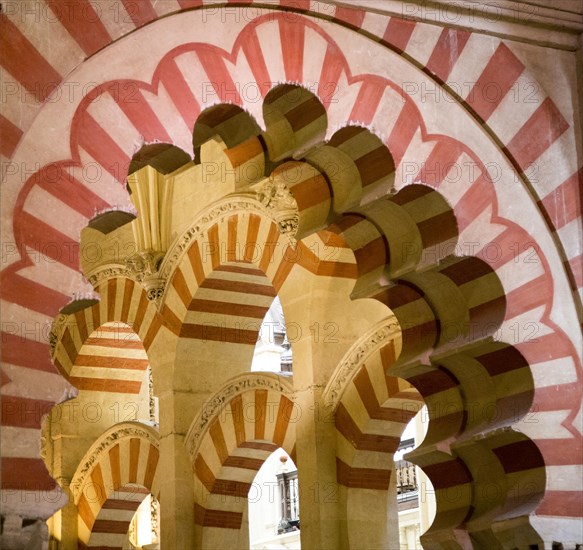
(410, 190)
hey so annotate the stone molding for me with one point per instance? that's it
(104, 442)
(227, 206)
(373, 340)
(239, 385)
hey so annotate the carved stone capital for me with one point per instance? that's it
(144, 265)
(144, 268)
(277, 199)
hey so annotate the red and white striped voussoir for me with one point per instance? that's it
(367, 99)
(124, 322)
(125, 471)
(489, 84)
(113, 149)
(233, 446)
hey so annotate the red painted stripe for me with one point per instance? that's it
(448, 474)
(26, 293)
(433, 382)
(19, 349)
(113, 343)
(185, 4)
(10, 135)
(501, 250)
(180, 92)
(214, 66)
(398, 33)
(254, 54)
(105, 384)
(576, 265)
(215, 253)
(563, 205)
(24, 62)
(353, 17)
(82, 23)
(210, 333)
(564, 396)
(519, 456)
(372, 479)
(530, 295)
(495, 82)
(138, 110)
(545, 348)
(97, 142)
(141, 12)
(109, 362)
(449, 47)
(56, 179)
(440, 162)
(50, 243)
(474, 201)
(562, 503)
(541, 130)
(403, 132)
(329, 77)
(220, 519)
(292, 35)
(26, 474)
(560, 452)
(22, 412)
(112, 527)
(367, 102)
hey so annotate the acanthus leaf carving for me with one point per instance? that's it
(276, 197)
(144, 267)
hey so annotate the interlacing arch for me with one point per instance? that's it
(399, 248)
(213, 284)
(370, 418)
(237, 430)
(113, 478)
(446, 315)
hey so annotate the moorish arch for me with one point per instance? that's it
(112, 479)
(428, 236)
(101, 348)
(370, 410)
(481, 206)
(241, 426)
(122, 340)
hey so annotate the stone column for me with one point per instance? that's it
(316, 461)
